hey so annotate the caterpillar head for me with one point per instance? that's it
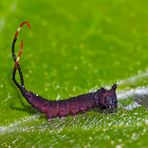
(108, 99)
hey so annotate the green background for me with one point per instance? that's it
(73, 47)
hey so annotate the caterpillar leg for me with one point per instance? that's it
(49, 119)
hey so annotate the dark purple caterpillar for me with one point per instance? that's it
(102, 98)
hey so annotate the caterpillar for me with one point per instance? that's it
(102, 98)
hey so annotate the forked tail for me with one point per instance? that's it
(17, 58)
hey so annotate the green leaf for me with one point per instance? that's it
(74, 47)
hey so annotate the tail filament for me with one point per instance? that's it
(17, 58)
